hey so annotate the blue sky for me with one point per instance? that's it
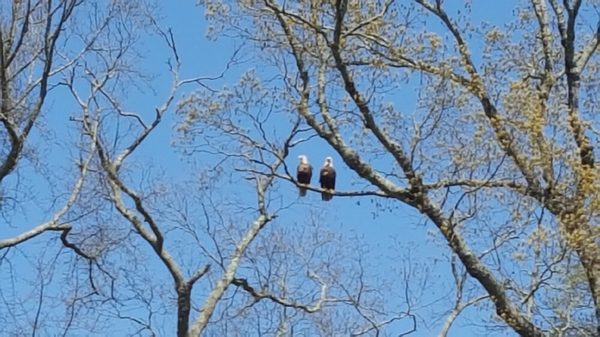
(384, 232)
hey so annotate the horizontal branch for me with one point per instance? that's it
(259, 295)
(318, 189)
(476, 184)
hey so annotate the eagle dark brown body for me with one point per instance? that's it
(303, 174)
(327, 179)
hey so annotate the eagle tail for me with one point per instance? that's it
(302, 191)
(326, 196)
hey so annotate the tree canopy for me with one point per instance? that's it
(148, 185)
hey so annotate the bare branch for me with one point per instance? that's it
(55, 223)
(259, 295)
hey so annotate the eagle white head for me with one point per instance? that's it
(303, 159)
(328, 162)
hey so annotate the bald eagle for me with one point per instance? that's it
(327, 179)
(303, 174)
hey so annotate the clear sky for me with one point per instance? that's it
(392, 237)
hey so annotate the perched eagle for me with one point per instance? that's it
(303, 173)
(327, 179)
